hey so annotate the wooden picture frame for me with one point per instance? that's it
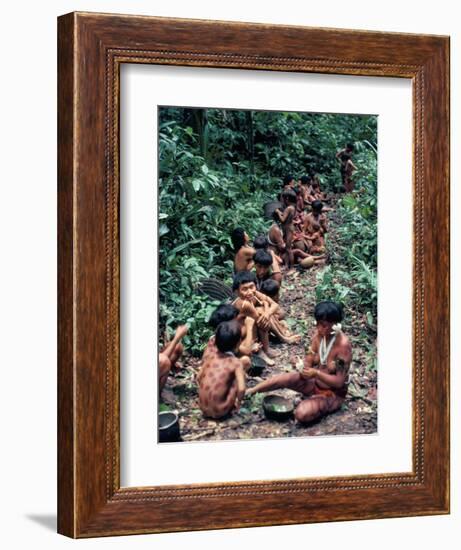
(91, 49)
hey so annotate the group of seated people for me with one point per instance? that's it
(323, 381)
(299, 228)
(296, 236)
(244, 327)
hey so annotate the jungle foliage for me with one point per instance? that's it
(218, 167)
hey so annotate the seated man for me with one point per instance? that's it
(263, 310)
(262, 243)
(222, 376)
(243, 260)
(170, 353)
(315, 227)
(324, 379)
(264, 268)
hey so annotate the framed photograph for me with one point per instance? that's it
(253, 258)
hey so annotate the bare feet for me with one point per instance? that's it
(267, 359)
(295, 339)
(273, 352)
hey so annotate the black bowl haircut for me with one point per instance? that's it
(262, 257)
(317, 206)
(260, 242)
(224, 312)
(331, 312)
(243, 277)
(228, 335)
(238, 238)
(270, 287)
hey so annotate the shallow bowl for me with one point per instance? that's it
(277, 407)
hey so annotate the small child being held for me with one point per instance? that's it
(262, 243)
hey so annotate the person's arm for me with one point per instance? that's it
(334, 381)
(324, 224)
(249, 252)
(278, 240)
(247, 309)
(181, 331)
(350, 167)
(270, 307)
(240, 379)
(286, 213)
(273, 306)
(246, 345)
(276, 261)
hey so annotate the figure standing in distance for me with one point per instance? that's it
(347, 167)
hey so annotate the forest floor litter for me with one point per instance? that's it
(358, 414)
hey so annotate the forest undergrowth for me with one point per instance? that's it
(217, 168)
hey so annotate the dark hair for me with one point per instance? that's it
(238, 238)
(290, 195)
(228, 335)
(287, 179)
(350, 146)
(317, 206)
(304, 180)
(261, 242)
(224, 312)
(329, 311)
(345, 157)
(270, 287)
(262, 257)
(243, 277)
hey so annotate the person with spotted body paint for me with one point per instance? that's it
(222, 375)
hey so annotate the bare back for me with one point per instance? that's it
(218, 384)
(243, 260)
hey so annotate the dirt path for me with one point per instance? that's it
(358, 414)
